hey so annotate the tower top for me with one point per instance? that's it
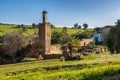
(44, 11)
(44, 16)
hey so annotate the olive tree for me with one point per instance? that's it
(13, 41)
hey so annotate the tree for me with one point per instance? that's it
(97, 29)
(23, 27)
(52, 26)
(76, 25)
(13, 41)
(33, 26)
(70, 49)
(65, 36)
(85, 26)
(118, 22)
(56, 37)
(79, 27)
(112, 41)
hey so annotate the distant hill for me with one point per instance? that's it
(4, 28)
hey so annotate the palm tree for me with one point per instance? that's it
(69, 46)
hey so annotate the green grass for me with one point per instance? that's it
(7, 28)
(93, 67)
(70, 31)
(86, 73)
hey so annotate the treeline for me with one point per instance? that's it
(77, 26)
(57, 37)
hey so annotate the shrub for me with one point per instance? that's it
(13, 41)
(112, 41)
(56, 37)
(86, 34)
(12, 46)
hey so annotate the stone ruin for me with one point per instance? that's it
(45, 35)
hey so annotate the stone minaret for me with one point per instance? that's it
(44, 14)
(45, 34)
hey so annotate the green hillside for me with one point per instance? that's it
(70, 31)
(7, 28)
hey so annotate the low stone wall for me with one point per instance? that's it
(85, 42)
(55, 49)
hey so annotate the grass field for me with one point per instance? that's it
(7, 28)
(94, 67)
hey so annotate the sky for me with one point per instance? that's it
(96, 13)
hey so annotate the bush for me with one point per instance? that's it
(112, 41)
(13, 41)
(12, 47)
(84, 35)
(56, 37)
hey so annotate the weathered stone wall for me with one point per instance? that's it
(45, 37)
(55, 49)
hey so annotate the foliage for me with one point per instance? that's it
(56, 37)
(69, 45)
(85, 34)
(13, 41)
(76, 26)
(85, 25)
(12, 48)
(112, 41)
(97, 29)
(33, 26)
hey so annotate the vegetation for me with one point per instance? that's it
(93, 67)
(85, 25)
(56, 37)
(5, 28)
(13, 43)
(76, 26)
(84, 35)
(112, 41)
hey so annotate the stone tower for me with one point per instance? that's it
(45, 34)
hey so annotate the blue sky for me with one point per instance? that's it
(61, 12)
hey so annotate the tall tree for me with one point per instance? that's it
(85, 25)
